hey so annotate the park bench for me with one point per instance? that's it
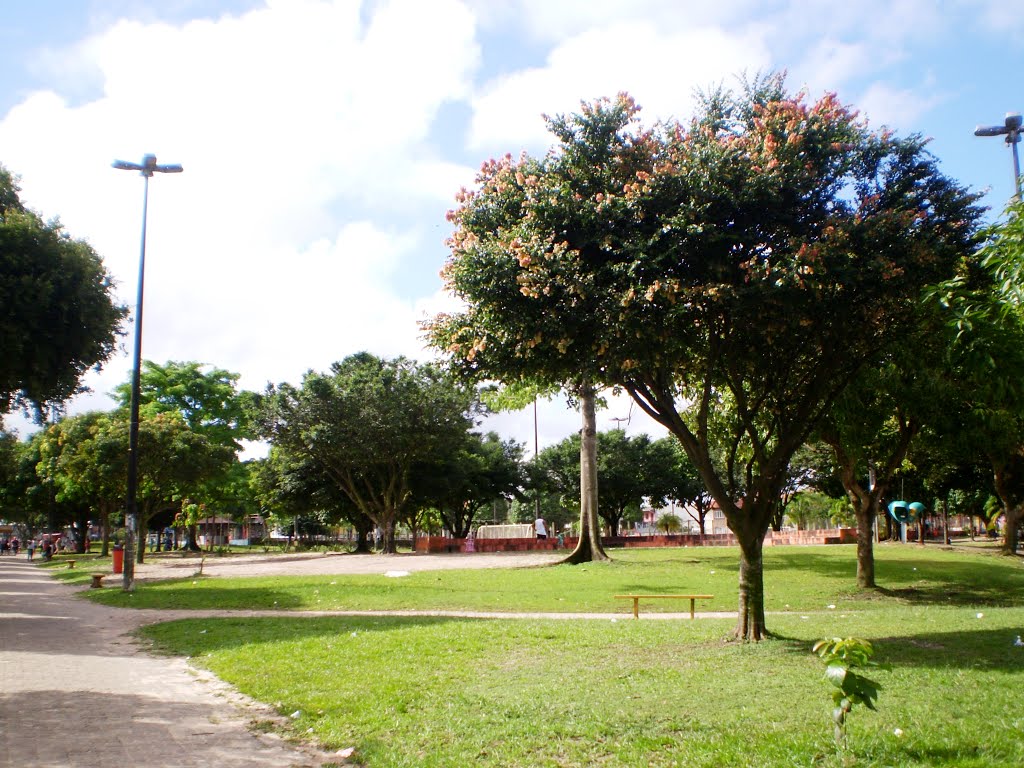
(71, 563)
(97, 581)
(637, 598)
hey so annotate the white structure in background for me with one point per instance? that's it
(714, 522)
(512, 531)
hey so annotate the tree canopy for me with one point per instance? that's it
(60, 318)
(367, 424)
(767, 250)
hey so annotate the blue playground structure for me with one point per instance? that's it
(902, 512)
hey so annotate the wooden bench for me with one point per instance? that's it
(637, 598)
(71, 563)
(97, 581)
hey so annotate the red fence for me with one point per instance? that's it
(437, 544)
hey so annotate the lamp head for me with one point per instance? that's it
(1013, 121)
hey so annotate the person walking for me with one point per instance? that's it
(30, 548)
(541, 527)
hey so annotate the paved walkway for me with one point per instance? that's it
(77, 692)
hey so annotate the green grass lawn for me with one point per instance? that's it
(430, 691)
(796, 579)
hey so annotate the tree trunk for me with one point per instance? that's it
(363, 529)
(1011, 538)
(750, 624)
(82, 528)
(192, 538)
(388, 538)
(588, 548)
(1008, 484)
(140, 540)
(104, 534)
(867, 511)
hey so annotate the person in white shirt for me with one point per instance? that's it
(541, 528)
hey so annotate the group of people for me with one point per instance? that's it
(9, 544)
(46, 545)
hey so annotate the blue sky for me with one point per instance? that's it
(324, 141)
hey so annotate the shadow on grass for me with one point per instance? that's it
(956, 594)
(197, 594)
(981, 649)
(190, 636)
(984, 649)
(919, 580)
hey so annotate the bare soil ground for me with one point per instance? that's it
(175, 565)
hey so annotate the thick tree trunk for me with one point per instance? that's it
(588, 548)
(140, 540)
(363, 537)
(750, 624)
(1011, 538)
(388, 546)
(866, 514)
(1009, 485)
(192, 539)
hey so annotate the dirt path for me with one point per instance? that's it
(307, 564)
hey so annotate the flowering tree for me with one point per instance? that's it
(766, 250)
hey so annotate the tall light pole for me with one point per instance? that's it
(146, 169)
(1011, 129)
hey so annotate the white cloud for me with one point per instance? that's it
(898, 108)
(661, 70)
(322, 140)
(301, 127)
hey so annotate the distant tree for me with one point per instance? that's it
(688, 488)
(986, 314)
(292, 488)
(83, 477)
(8, 472)
(59, 318)
(630, 469)
(208, 401)
(872, 425)
(175, 462)
(461, 483)
(367, 424)
(769, 249)
(28, 498)
(810, 509)
(669, 523)
(206, 397)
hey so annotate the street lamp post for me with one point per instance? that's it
(1011, 128)
(146, 169)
